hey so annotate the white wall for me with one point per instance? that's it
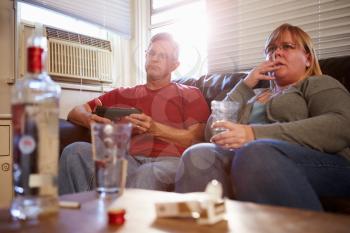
(7, 71)
(7, 59)
(71, 98)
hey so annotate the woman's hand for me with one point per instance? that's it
(235, 137)
(260, 73)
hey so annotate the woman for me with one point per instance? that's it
(292, 142)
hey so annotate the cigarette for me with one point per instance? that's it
(69, 204)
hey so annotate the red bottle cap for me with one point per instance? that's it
(116, 216)
(34, 61)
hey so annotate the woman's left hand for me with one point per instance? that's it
(235, 137)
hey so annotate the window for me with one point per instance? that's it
(78, 52)
(186, 21)
(102, 70)
(111, 14)
(239, 29)
(37, 15)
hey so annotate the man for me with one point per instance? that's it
(173, 118)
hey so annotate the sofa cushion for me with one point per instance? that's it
(213, 86)
(339, 68)
(70, 132)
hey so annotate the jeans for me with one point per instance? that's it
(268, 172)
(76, 171)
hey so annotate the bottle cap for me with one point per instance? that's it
(116, 216)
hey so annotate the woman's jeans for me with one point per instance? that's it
(267, 172)
(76, 171)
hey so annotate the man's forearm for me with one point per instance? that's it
(80, 115)
(183, 137)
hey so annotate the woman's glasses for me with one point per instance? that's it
(285, 47)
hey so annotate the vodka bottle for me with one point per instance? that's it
(35, 111)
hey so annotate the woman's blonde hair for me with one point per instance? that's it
(302, 39)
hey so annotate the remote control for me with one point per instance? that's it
(114, 113)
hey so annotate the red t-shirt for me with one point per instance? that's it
(175, 105)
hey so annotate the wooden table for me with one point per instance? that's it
(140, 217)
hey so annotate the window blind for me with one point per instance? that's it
(239, 28)
(114, 15)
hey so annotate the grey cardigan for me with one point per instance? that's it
(314, 113)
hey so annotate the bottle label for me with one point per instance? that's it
(34, 61)
(35, 150)
(26, 144)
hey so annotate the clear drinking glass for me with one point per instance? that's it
(223, 111)
(110, 145)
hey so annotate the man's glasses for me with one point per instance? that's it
(160, 56)
(285, 47)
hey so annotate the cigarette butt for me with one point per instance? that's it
(70, 204)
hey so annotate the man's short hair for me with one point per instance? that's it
(164, 36)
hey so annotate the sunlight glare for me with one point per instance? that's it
(190, 31)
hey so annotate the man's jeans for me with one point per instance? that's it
(266, 171)
(76, 170)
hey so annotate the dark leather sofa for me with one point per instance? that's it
(215, 86)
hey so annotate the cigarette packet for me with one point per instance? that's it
(69, 204)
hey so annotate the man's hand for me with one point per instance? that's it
(141, 123)
(82, 115)
(93, 118)
(97, 119)
(235, 137)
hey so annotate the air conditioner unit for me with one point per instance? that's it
(78, 57)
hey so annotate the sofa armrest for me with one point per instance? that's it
(70, 132)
